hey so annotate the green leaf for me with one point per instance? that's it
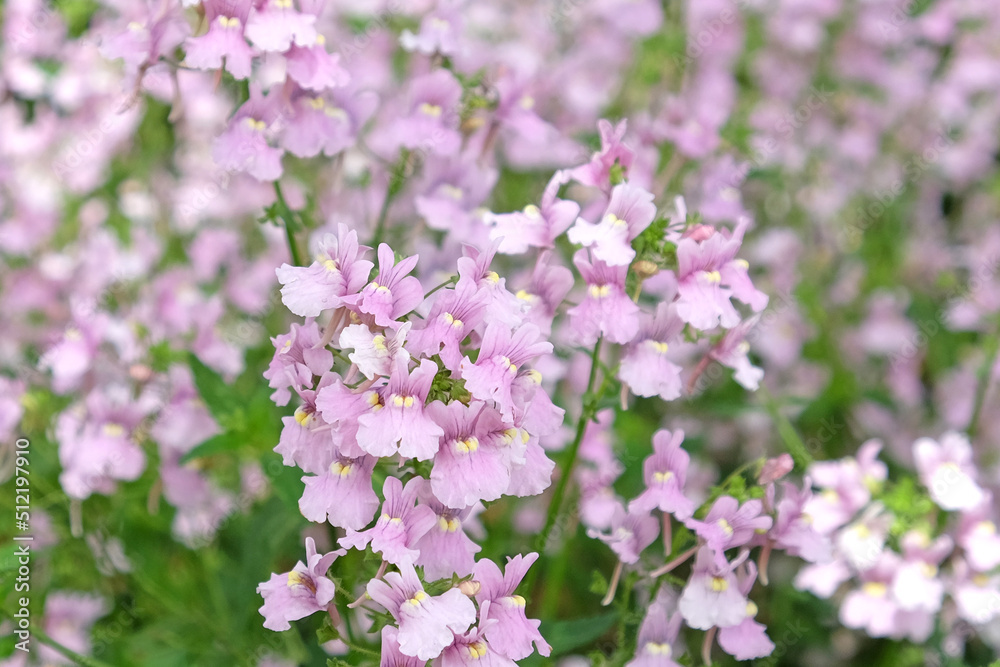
(224, 442)
(326, 632)
(565, 636)
(218, 395)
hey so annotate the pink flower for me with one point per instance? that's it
(469, 465)
(342, 494)
(535, 226)
(665, 472)
(916, 584)
(712, 596)
(729, 524)
(224, 39)
(978, 536)
(511, 631)
(277, 24)
(629, 212)
(656, 646)
(396, 420)
(299, 593)
(793, 530)
(597, 172)
(606, 311)
(445, 549)
(427, 625)
(948, 471)
(645, 367)
(400, 526)
(393, 293)
(709, 275)
(312, 67)
(748, 639)
(455, 314)
(501, 355)
(336, 273)
(298, 356)
(375, 354)
(631, 532)
(244, 146)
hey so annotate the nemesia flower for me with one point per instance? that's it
(431, 122)
(629, 212)
(645, 367)
(453, 316)
(393, 293)
(732, 350)
(375, 353)
(276, 25)
(511, 633)
(336, 273)
(299, 593)
(948, 471)
(473, 460)
(244, 145)
(606, 311)
(712, 596)
(748, 639)
(916, 585)
(657, 641)
(597, 172)
(665, 472)
(396, 420)
(427, 624)
(535, 226)
(793, 531)
(709, 275)
(312, 67)
(846, 485)
(978, 536)
(501, 355)
(631, 532)
(399, 527)
(872, 607)
(391, 655)
(224, 40)
(342, 494)
(298, 356)
(445, 549)
(729, 524)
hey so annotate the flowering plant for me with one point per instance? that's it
(632, 333)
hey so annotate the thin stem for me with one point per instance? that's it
(565, 472)
(288, 217)
(395, 184)
(674, 563)
(706, 647)
(985, 375)
(67, 653)
(788, 434)
(451, 281)
(613, 586)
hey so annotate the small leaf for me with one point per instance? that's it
(217, 444)
(218, 395)
(565, 636)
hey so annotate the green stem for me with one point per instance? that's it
(395, 185)
(67, 653)
(586, 414)
(288, 217)
(985, 375)
(788, 434)
(450, 281)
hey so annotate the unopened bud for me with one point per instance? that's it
(645, 268)
(469, 587)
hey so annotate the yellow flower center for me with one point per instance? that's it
(432, 110)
